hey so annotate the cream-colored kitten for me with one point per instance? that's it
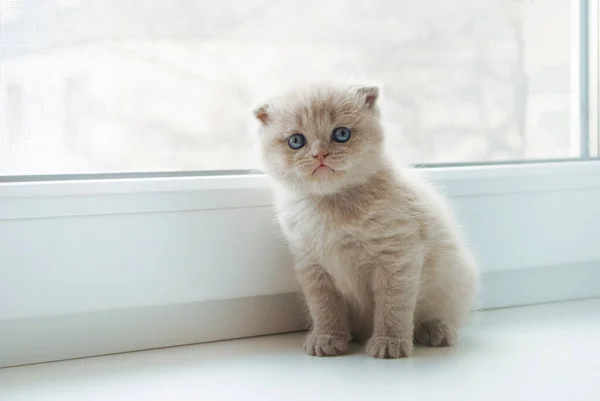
(377, 253)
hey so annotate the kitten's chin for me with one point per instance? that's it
(320, 183)
(322, 187)
(325, 182)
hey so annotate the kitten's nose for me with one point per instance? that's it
(320, 155)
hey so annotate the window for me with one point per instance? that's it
(95, 86)
(188, 250)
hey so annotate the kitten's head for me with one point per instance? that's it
(321, 139)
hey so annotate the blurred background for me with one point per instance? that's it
(99, 86)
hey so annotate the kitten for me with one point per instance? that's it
(376, 251)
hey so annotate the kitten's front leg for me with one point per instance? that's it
(329, 335)
(395, 294)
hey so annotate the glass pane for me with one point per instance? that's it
(95, 86)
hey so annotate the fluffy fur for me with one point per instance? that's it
(377, 253)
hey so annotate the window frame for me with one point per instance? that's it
(592, 49)
(50, 312)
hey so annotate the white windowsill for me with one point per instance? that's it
(546, 352)
(93, 267)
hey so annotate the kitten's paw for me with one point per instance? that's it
(326, 344)
(435, 334)
(389, 347)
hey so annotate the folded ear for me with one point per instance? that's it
(262, 114)
(369, 94)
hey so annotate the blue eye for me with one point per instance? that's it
(340, 134)
(296, 141)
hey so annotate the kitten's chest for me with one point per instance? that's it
(307, 227)
(323, 232)
(334, 239)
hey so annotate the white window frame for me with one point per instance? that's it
(98, 266)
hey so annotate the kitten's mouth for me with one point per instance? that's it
(322, 168)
